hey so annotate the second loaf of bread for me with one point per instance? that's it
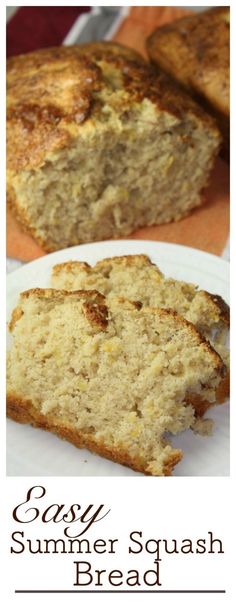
(195, 51)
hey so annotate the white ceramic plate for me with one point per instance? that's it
(33, 452)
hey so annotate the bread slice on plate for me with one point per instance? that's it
(113, 376)
(100, 145)
(137, 278)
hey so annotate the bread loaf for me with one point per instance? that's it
(99, 145)
(194, 51)
(109, 376)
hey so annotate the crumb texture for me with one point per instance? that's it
(137, 278)
(116, 386)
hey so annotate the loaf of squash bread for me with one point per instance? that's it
(194, 51)
(137, 278)
(99, 145)
(109, 376)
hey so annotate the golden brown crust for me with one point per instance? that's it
(203, 40)
(68, 266)
(223, 390)
(111, 51)
(222, 307)
(95, 308)
(16, 315)
(50, 293)
(53, 92)
(96, 314)
(47, 90)
(23, 411)
(139, 261)
(201, 405)
(194, 51)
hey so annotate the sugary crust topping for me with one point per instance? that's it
(53, 93)
(47, 91)
(195, 50)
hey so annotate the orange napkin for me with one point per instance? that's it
(206, 228)
(142, 20)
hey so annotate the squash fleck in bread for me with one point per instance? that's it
(99, 145)
(137, 278)
(194, 51)
(112, 377)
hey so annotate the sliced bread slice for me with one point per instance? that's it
(138, 279)
(113, 377)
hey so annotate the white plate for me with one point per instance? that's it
(33, 452)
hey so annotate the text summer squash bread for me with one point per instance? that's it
(108, 375)
(195, 52)
(100, 144)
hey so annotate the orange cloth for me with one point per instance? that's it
(142, 20)
(207, 228)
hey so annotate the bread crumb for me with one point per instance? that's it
(203, 426)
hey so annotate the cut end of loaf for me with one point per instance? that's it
(141, 155)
